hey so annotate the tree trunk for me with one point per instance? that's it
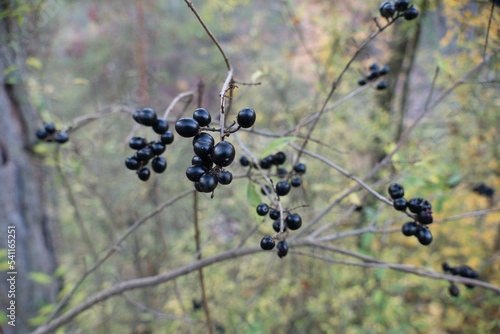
(22, 210)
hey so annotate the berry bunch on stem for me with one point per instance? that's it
(49, 133)
(463, 271)
(149, 151)
(421, 213)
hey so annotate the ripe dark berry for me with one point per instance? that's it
(132, 163)
(425, 217)
(50, 127)
(279, 158)
(453, 290)
(281, 172)
(266, 188)
(293, 221)
(267, 243)
(193, 173)
(409, 229)
(387, 9)
(296, 182)
(415, 204)
(283, 188)
(187, 127)
(374, 67)
(246, 117)
(300, 168)
(445, 266)
(277, 225)
(136, 143)
(266, 163)
(167, 138)
(400, 204)
(224, 177)
(424, 236)
(381, 85)
(282, 248)
(411, 13)
(203, 149)
(383, 71)
(144, 173)
(159, 164)
(41, 134)
(372, 75)
(204, 137)
(205, 162)
(158, 147)
(262, 209)
(147, 117)
(396, 191)
(202, 116)
(61, 137)
(137, 116)
(401, 5)
(207, 183)
(362, 82)
(160, 126)
(455, 271)
(467, 272)
(244, 161)
(223, 154)
(274, 214)
(144, 154)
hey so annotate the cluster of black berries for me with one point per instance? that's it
(49, 134)
(375, 72)
(483, 190)
(464, 271)
(277, 160)
(422, 210)
(207, 169)
(398, 8)
(146, 151)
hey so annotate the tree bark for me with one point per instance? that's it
(22, 208)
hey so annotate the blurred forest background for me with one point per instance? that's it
(88, 64)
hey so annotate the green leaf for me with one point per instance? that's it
(253, 196)
(276, 145)
(454, 180)
(40, 278)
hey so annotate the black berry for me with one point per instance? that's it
(453, 290)
(281, 172)
(381, 85)
(144, 173)
(262, 209)
(425, 217)
(41, 134)
(132, 163)
(207, 183)
(293, 221)
(409, 228)
(144, 154)
(202, 116)
(266, 188)
(396, 191)
(401, 5)
(266, 163)
(400, 204)
(50, 127)
(445, 266)
(279, 158)
(283, 188)
(300, 168)
(246, 117)
(274, 214)
(203, 148)
(223, 154)
(383, 71)
(362, 82)
(137, 143)
(277, 225)
(194, 172)
(61, 137)
(147, 117)
(160, 126)
(244, 161)
(282, 247)
(387, 9)
(205, 162)
(296, 182)
(224, 177)
(158, 147)
(167, 138)
(424, 236)
(411, 13)
(415, 204)
(159, 164)
(267, 243)
(187, 127)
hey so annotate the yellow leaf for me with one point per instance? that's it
(80, 81)
(34, 63)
